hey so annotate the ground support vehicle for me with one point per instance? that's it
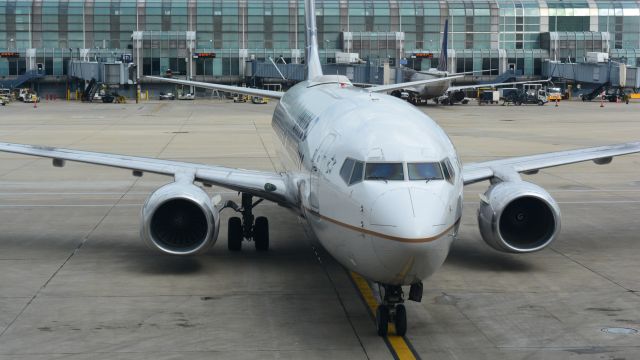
(555, 94)
(27, 95)
(239, 98)
(489, 97)
(167, 96)
(188, 96)
(259, 100)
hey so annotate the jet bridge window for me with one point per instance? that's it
(384, 171)
(425, 171)
(351, 171)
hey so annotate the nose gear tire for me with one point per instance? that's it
(382, 320)
(401, 320)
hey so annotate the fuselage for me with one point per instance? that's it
(365, 167)
(430, 91)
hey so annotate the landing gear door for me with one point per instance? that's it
(318, 166)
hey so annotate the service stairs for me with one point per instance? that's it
(27, 76)
(90, 91)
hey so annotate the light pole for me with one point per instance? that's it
(11, 42)
(326, 51)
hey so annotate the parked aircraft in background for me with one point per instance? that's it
(376, 181)
(443, 92)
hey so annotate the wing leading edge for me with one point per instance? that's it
(228, 88)
(475, 172)
(269, 185)
(404, 85)
(465, 87)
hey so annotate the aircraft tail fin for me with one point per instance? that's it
(442, 61)
(312, 59)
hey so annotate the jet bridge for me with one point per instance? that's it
(110, 73)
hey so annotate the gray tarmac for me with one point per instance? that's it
(77, 282)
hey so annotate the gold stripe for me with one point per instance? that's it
(381, 235)
(398, 344)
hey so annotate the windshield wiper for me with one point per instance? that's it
(377, 178)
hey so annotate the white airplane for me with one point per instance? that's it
(377, 181)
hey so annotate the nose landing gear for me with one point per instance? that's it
(392, 309)
(247, 227)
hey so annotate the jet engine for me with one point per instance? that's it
(179, 219)
(518, 217)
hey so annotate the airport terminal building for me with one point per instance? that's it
(217, 40)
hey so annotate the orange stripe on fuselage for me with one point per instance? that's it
(381, 235)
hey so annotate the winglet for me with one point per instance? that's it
(442, 61)
(314, 69)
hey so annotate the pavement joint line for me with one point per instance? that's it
(175, 133)
(399, 346)
(264, 146)
(570, 180)
(344, 308)
(77, 248)
(593, 271)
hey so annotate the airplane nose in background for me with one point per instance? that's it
(409, 213)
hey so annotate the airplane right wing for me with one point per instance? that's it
(404, 85)
(228, 88)
(486, 170)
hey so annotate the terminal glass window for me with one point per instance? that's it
(384, 171)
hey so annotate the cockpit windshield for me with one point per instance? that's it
(425, 171)
(384, 171)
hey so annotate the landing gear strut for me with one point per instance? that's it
(248, 227)
(392, 309)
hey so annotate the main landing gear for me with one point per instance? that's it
(247, 227)
(392, 309)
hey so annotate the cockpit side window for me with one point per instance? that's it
(351, 171)
(346, 169)
(384, 171)
(356, 175)
(449, 172)
(425, 171)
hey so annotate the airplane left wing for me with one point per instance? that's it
(486, 170)
(228, 88)
(404, 85)
(465, 87)
(265, 184)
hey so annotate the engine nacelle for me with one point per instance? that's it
(179, 219)
(518, 217)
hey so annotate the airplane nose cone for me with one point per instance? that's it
(412, 243)
(409, 213)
